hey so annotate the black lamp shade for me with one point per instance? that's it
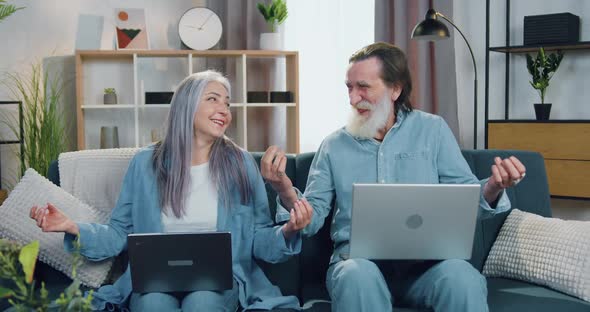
(430, 29)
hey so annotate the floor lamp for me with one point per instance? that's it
(432, 29)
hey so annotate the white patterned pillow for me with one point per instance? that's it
(15, 224)
(545, 251)
(107, 167)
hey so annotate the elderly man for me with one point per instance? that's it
(387, 141)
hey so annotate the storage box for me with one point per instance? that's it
(158, 97)
(551, 29)
(257, 97)
(281, 97)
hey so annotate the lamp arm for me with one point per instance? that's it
(462, 35)
(474, 80)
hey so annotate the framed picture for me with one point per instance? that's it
(131, 29)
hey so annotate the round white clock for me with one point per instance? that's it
(199, 28)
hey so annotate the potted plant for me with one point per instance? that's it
(110, 96)
(542, 69)
(274, 15)
(17, 265)
(43, 125)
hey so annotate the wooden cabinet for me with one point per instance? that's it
(133, 73)
(565, 145)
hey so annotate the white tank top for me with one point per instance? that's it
(201, 205)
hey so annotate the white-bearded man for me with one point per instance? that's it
(387, 141)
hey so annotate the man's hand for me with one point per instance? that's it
(505, 173)
(300, 218)
(272, 167)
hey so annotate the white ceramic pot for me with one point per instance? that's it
(271, 41)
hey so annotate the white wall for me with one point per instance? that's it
(49, 28)
(325, 33)
(46, 31)
(568, 90)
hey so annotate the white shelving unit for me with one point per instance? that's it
(255, 126)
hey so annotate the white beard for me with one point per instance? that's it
(368, 127)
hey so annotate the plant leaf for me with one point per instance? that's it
(7, 9)
(28, 259)
(6, 293)
(262, 8)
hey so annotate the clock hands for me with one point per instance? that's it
(206, 20)
(200, 27)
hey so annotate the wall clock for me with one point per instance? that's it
(200, 28)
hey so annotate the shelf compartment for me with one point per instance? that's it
(95, 119)
(136, 119)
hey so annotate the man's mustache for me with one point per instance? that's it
(364, 105)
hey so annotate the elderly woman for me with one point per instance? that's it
(195, 179)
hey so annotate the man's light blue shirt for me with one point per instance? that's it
(419, 148)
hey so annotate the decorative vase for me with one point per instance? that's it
(110, 98)
(271, 41)
(542, 111)
(109, 137)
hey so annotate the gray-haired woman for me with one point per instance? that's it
(195, 179)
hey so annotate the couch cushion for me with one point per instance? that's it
(34, 189)
(316, 250)
(505, 295)
(531, 195)
(545, 251)
(284, 275)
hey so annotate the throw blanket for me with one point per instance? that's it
(95, 176)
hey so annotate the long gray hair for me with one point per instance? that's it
(172, 156)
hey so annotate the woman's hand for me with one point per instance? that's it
(272, 168)
(300, 217)
(51, 219)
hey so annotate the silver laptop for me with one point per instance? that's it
(413, 221)
(170, 262)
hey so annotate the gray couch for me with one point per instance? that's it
(304, 275)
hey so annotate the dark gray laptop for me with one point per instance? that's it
(171, 262)
(413, 221)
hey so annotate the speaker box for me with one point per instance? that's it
(257, 96)
(158, 97)
(551, 29)
(281, 97)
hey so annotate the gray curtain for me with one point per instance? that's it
(432, 64)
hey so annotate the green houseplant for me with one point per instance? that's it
(17, 266)
(542, 68)
(274, 14)
(7, 9)
(110, 96)
(44, 128)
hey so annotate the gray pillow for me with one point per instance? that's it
(34, 189)
(545, 251)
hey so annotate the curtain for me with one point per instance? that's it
(432, 65)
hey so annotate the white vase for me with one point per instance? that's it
(271, 41)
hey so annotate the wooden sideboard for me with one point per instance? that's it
(565, 145)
